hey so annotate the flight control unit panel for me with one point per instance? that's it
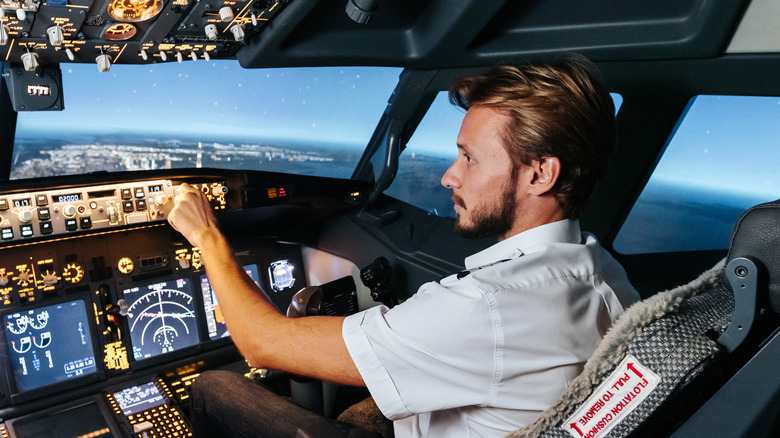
(100, 298)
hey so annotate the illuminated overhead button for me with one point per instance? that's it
(126, 193)
(238, 32)
(85, 222)
(44, 214)
(55, 35)
(41, 200)
(211, 31)
(30, 61)
(7, 233)
(3, 204)
(226, 14)
(103, 63)
(128, 206)
(71, 224)
(139, 192)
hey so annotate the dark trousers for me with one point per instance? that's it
(228, 405)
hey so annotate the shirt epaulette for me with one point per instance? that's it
(465, 273)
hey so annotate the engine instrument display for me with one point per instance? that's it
(161, 316)
(49, 344)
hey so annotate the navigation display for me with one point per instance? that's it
(214, 319)
(49, 344)
(161, 316)
(138, 398)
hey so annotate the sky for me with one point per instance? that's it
(724, 143)
(729, 143)
(219, 98)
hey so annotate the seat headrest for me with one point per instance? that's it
(756, 235)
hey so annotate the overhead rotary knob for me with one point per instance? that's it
(23, 278)
(49, 279)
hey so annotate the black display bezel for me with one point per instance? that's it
(17, 395)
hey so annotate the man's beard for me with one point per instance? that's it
(489, 220)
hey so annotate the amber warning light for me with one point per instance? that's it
(277, 192)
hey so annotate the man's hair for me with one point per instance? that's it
(558, 109)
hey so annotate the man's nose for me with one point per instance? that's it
(449, 179)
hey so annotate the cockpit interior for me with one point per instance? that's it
(319, 131)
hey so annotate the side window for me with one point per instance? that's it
(429, 153)
(721, 159)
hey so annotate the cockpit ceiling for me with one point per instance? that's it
(409, 33)
(758, 31)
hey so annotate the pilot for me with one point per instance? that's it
(481, 352)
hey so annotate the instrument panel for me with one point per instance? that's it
(103, 32)
(119, 311)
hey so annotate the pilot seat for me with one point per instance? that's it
(697, 360)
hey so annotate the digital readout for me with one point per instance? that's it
(67, 198)
(155, 189)
(22, 202)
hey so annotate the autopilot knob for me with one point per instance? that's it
(25, 216)
(218, 190)
(4, 280)
(69, 211)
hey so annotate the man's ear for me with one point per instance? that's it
(545, 174)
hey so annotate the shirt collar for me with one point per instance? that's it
(565, 231)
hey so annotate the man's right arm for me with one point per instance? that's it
(311, 346)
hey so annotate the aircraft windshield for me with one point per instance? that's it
(312, 121)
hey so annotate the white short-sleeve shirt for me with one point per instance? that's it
(483, 352)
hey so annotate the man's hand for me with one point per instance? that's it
(192, 215)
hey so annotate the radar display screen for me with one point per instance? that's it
(214, 319)
(49, 344)
(161, 316)
(138, 398)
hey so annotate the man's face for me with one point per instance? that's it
(482, 180)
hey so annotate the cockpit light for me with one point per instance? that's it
(282, 275)
(134, 11)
